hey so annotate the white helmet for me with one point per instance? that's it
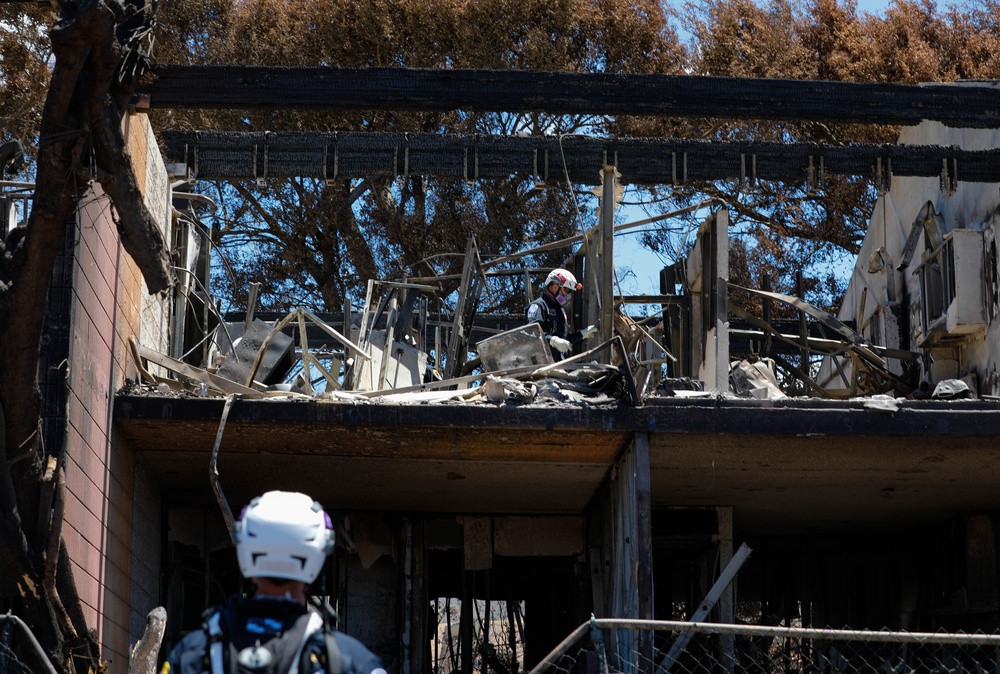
(283, 534)
(564, 278)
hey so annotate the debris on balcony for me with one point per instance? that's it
(424, 341)
(755, 379)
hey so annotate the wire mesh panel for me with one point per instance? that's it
(604, 646)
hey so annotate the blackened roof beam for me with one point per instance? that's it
(220, 155)
(244, 87)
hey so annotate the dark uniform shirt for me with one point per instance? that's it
(247, 623)
(555, 323)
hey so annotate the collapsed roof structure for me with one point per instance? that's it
(684, 299)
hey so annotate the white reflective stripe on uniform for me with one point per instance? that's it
(314, 625)
(215, 647)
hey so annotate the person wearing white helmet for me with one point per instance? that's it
(282, 539)
(548, 310)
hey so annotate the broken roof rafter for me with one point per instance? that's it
(412, 89)
(223, 155)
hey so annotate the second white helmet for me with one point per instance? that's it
(283, 534)
(564, 278)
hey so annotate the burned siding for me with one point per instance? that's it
(926, 276)
(98, 302)
(97, 530)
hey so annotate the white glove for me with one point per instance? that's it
(588, 331)
(560, 344)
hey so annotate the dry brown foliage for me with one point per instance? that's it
(316, 244)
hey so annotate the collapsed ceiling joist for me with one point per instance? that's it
(222, 155)
(247, 87)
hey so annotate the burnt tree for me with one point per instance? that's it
(100, 52)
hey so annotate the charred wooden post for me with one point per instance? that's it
(707, 276)
(800, 292)
(606, 256)
(644, 547)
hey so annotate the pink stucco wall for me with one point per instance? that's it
(105, 310)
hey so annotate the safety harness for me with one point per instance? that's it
(280, 654)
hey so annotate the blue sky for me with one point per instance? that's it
(872, 6)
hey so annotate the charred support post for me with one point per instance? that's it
(606, 256)
(417, 647)
(708, 280)
(582, 310)
(721, 299)
(800, 292)
(667, 286)
(673, 334)
(644, 548)
(630, 581)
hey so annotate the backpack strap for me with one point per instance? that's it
(215, 642)
(334, 665)
(305, 627)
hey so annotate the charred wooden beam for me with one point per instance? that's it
(224, 155)
(246, 87)
(973, 419)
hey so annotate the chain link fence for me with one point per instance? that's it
(604, 646)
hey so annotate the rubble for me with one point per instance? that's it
(700, 344)
(755, 379)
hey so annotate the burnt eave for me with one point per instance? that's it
(800, 464)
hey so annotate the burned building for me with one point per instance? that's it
(873, 511)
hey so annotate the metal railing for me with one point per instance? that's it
(20, 652)
(603, 646)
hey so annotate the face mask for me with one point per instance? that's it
(561, 299)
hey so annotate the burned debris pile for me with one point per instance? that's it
(423, 340)
(302, 356)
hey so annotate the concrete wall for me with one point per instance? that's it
(108, 303)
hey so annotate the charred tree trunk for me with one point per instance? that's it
(98, 55)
